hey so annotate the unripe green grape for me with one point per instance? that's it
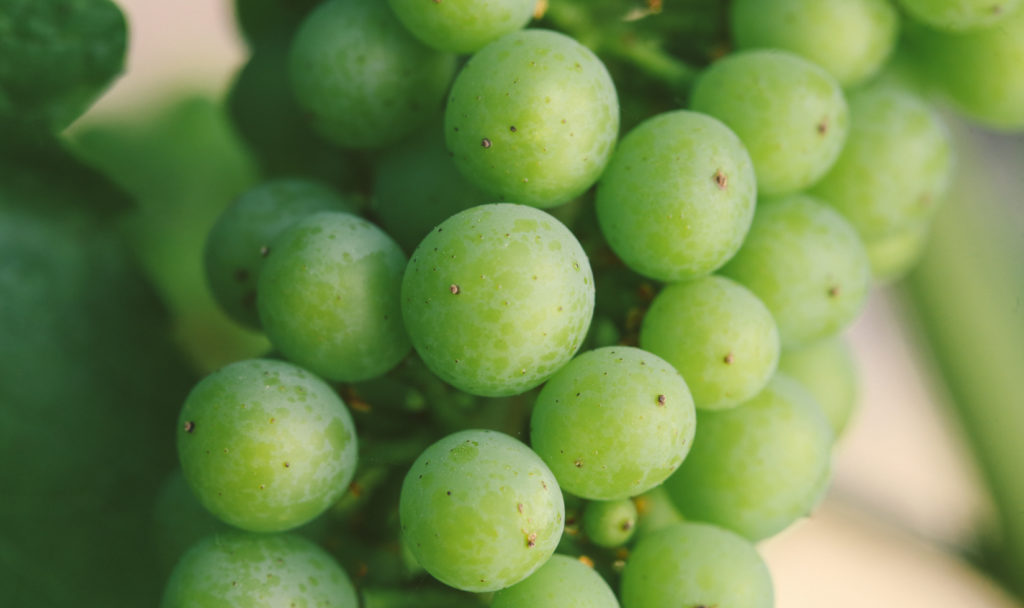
(240, 240)
(480, 511)
(756, 468)
(827, 370)
(718, 335)
(851, 39)
(243, 570)
(613, 423)
(808, 266)
(532, 118)
(892, 256)
(895, 166)
(677, 197)
(960, 15)
(328, 297)
(266, 446)
(789, 113)
(497, 298)
(979, 71)
(610, 523)
(462, 26)
(693, 565)
(562, 582)
(416, 187)
(362, 77)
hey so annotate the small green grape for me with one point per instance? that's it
(462, 26)
(328, 297)
(480, 511)
(497, 298)
(789, 113)
(677, 197)
(693, 565)
(244, 570)
(613, 423)
(361, 76)
(828, 371)
(265, 445)
(850, 38)
(532, 118)
(758, 467)
(562, 582)
(718, 335)
(610, 523)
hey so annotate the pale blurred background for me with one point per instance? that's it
(907, 500)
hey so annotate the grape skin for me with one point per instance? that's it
(790, 114)
(497, 298)
(265, 445)
(480, 511)
(828, 371)
(718, 335)
(695, 564)
(463, 26)
(677, 197)
(328, 297)
(613, 423)
(756, 468)
(242, 570)
(960, 15)
(610, 523)
(532, 118)
(562, 582)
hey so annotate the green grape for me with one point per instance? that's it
(892, 256)
(480, 511)
(655, 511)
(695, 565)
(462, 26)
(788, 112)
(497, 298)
(532, 118)
(677, 197)
(851, 39)
(896, 164)
(328, 297)
(57, 57)
(756, 468)
(265, 445)
(244, 570)
(610, 523)
(265, 114)
(416, 187)
(959, 15)
(613, 423)
(562, 582)
(827, 370)
(979, 71)
(240, 240)
(718, 335)
(362, 78)
(808, 266)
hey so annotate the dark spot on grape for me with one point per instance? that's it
(823, 126)
(287, 465)
(833, 291)
(728, 359)
(486, 143)
(519, 507)
(627, 525)
(454, 289)
(264, 251)
(241, 275)
(449, 492)
(263, 487)
(661, 399)
(531, 539)
(512, 128)
(721, 179)
(189, 426)
(578, 463)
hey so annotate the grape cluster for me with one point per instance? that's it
(556, 311)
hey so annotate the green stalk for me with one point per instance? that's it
(968, 294)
